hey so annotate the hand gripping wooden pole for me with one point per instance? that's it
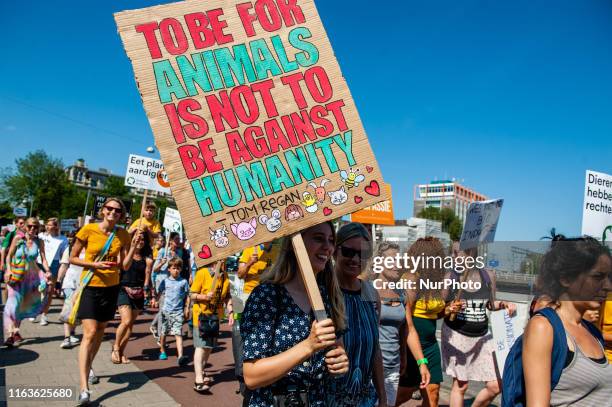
(308, 277)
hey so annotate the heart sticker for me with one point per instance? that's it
(373, 189)
(358, 199)
(327, 211)
(369, 169)
(204, 252)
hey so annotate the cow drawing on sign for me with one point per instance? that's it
(219, 236)
(272, 223)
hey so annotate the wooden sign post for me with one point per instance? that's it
(253, 119)
(308, 277)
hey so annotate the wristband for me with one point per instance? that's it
(423, 361)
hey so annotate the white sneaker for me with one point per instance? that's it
(74, 340)
(84, 398)
(32, 319)
(43, 320)
(93, 379)
(66, 344)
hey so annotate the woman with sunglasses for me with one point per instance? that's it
(26, 281)
(364, 384)
(287, 354)
(99, 298)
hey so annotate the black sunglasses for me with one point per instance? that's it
(31, 226)
(113, 209)
(349, 253)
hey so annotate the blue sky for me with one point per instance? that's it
(514, 97)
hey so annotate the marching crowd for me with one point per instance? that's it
(375, 348)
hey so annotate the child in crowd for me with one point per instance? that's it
(175, 309)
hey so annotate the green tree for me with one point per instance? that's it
(6, 213)
(73, 203)
(450, 222)
(115, 186)
(40, 180)
(455, 229)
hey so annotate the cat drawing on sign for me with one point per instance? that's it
(272, 223)
(244, 230)
(219, 236)
(310, 202)
(338, 197)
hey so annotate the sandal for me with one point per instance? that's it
(116, 356)
(208, 380)
(201, 387)
(125, 360)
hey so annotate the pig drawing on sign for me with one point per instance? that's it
(319, 190)
(219, 236)
(272, 223)
(338, 197)
(244, 230)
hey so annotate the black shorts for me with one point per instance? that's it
(124, 299)
(99, 303)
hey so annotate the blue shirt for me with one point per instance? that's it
(176, 292)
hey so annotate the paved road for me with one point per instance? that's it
(146, 381)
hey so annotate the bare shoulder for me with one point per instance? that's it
(539, 333)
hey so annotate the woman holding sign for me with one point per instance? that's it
(467, 345)
(287, 354)
(364, 384)
(107, 251)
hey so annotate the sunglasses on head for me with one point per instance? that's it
(113, 209)
(349, 253)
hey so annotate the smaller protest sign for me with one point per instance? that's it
(480, 223)
(146, 173)
(20, 211)
(69, 225)
(172, 220)
(506, 329)
(597, 209)
(378, 214)
(100, 199)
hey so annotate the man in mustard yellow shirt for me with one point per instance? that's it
(253, 261)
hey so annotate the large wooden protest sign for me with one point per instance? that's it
(253, 119)
(480, 223)
(597, 209)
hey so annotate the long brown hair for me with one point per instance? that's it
(428, 248)
(286, 266)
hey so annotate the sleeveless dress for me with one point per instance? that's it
(355, 388)
(467, 344)
(25, 299)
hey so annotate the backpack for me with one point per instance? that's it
(513, 383)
